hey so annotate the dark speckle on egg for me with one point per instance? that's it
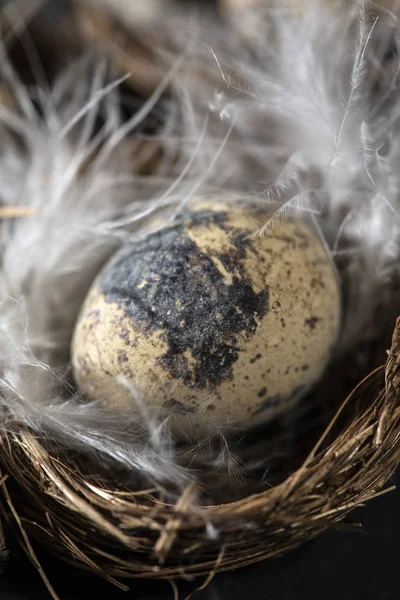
(255, 358)
(177, 406)
(311, 322)
(152, 276)
(270, 402)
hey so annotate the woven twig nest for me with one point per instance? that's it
(66, 497)
(116, 533)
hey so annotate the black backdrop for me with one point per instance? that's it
(339, 565)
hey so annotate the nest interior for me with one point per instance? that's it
(117, 533)
(65, 502)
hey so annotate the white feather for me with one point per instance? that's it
(299, 116)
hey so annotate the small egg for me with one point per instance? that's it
(208, 323)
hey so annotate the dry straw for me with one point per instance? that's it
(117, 534)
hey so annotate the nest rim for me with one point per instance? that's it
(138, 534)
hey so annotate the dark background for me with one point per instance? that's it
(339, 565)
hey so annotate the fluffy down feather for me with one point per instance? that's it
(304, 114)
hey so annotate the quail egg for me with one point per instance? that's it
(207, 322)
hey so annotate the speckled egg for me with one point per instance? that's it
(206, 322)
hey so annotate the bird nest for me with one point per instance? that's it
(117, 533)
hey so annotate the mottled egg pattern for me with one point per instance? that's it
(206, 320)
